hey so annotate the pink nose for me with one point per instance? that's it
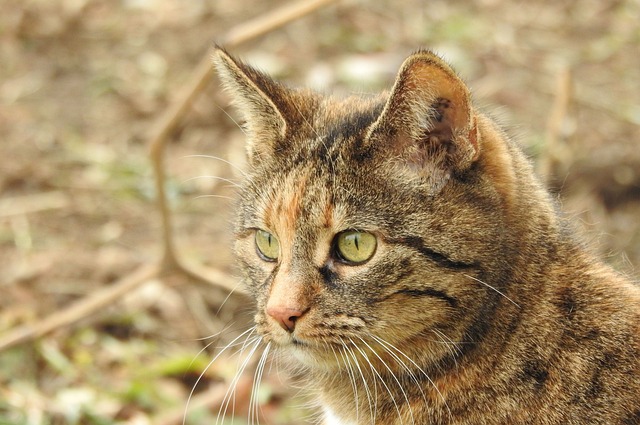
(285, 316)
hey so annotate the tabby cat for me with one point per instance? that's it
(401, 250)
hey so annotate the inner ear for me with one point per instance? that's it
(443, 122)
(430, 77)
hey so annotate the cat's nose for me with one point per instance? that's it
(285, 316)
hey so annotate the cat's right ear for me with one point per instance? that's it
(428, 120)
(262, 102)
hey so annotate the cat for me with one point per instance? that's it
(400, 249)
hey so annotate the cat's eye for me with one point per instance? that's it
(267, 245)
(355, 247)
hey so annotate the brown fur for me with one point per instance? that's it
(478, 306)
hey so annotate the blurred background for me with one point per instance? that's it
(83, 81)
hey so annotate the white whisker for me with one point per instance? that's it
(235, 167)
(435, 387)
(387, 347)
(257, 378)
(231, 118)
(306, 121)
(377, 374)
(231, 391)
(352, 380)
(371, 398)
(204, 338)
(248, 332)
(491, 287)
(210, 343)
(231, 182)
(395, 378)
(212, 196)
(450, 344)
(227, 297)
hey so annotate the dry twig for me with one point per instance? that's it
(33, 203)
(83, 308)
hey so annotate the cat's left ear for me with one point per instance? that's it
(428, 119)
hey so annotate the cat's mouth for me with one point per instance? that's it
(316, 356)
(305, 348)
(291, 340)
(295, 342)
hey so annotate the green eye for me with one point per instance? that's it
(355, 247)
(267, 245)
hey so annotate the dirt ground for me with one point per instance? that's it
(83, 81)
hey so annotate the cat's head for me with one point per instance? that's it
(364, 221)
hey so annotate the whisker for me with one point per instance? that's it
(395, 378)
(313, 129)
(230, 394)
(209, 344)
(491, 287)
(227, 298)
(352, 380)
(451, 345)
(231, 118)
(231, 182)
(231, 391)
(446, 344)
(212, 196)
(186, 407)
(204, 338)
(306, 121)
(385, 345)
(371, 398)
(257, 378)
(232, 165)
(377, 374)
(435, 387)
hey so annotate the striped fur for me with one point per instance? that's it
(478, 306)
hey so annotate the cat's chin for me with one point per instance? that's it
(313, 357)
(308, 354)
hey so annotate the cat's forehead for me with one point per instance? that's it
(324, 192)
(346, 118)
(324, 140)
(327, 138)
(287, 206)
(322, 183)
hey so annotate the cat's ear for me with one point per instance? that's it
(428, 119)
(262, 102)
